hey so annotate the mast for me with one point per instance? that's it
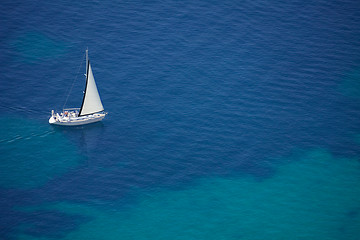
(86, 78)
(87, 59)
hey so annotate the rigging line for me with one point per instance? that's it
(73, 82)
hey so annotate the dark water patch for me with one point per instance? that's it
(52, 224)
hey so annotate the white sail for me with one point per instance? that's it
(91, 101)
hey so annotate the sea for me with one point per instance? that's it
(227, 120)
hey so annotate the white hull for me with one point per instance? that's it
(76, 121)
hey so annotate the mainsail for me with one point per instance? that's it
(91, 101)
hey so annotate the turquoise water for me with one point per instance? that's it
(35, 46)
(227, 120)
(311, 197)
(351, 85)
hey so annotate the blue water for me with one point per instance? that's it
(227, 120)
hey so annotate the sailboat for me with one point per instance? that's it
(91, 109)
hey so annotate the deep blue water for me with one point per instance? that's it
(227, 120)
